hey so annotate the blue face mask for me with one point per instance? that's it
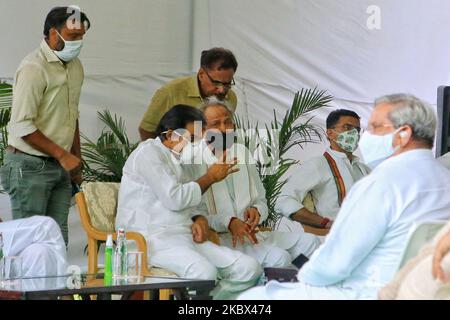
(70, 51)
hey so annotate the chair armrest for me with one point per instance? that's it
(102, 236)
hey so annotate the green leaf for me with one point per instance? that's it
(294, 130)
(104, 159)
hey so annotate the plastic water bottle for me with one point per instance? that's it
(108, 260)
(120, 256)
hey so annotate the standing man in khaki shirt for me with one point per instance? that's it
(214, 78)
(44, 139)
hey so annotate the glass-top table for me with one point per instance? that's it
(86, 285)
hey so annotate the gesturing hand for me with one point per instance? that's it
(69, 162)
(240, 230)
(200, 229)
(251, 217)
(221, 169)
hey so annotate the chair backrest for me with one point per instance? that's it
(419, 235)
(101, 201)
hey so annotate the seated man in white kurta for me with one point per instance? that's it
(237, 205)
(39, 242)
(327, 178)
(362, 252)
(158, 200)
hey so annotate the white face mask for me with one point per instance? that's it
(70, 51)
(375, 149)
(187, 154)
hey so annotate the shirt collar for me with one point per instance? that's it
(193, 88)
(341, 155)
(48, 53)
(415, 154)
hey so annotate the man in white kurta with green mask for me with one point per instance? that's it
(237, 205)
(363, 250)
(325, 179)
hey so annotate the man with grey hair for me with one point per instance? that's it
(236, 206)
(364, 248)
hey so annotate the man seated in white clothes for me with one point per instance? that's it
(362, 252)
(39, 242)
(327, 178)
(157, 199)
(237, 205)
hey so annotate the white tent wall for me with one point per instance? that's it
(132, 48)
(135, 46)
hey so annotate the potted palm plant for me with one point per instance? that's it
(104, 159)
(271, 144)
(5, 114)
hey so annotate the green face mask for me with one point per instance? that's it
(348, 140)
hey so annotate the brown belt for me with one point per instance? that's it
(12, 149)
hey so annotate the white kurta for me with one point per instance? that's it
(363, 249)
(233, 196)
(38, 240)
(157, 200)
(153, 199)
(315, 176)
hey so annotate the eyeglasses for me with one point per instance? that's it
(348, 127)
(373, 127)
(219, 84)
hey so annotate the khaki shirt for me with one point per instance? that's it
(179, 91)
(46, 94)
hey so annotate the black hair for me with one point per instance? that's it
(58, 16)
(178, 117)
(334, 116)
(224, 57)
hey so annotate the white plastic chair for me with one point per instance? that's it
(419, 235)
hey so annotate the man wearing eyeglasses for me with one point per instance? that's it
(406, 187)
(328, 178)
(214, 78)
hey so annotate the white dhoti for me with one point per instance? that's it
(39, 242)
(239, 192)
(267, 253)
(276, 248)
(275, 290)
(235, 271)
(291, 236)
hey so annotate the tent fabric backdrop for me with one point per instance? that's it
(282, 46)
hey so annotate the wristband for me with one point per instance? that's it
(324, 222)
